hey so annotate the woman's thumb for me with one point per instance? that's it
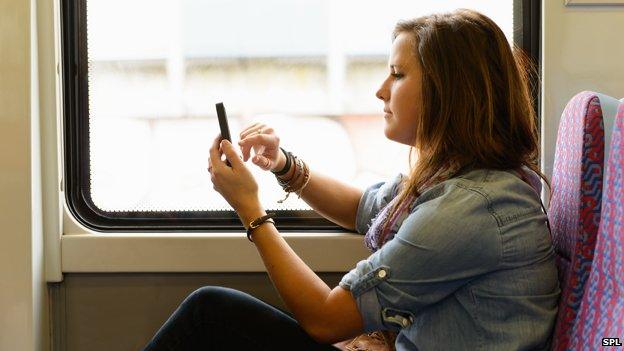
(262, 162)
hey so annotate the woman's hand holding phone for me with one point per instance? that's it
(265, 143)
(235, 183)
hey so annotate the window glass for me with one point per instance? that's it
(307, 68)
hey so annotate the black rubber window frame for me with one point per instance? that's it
(76, 173)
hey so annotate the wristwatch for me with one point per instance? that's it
(259, 221)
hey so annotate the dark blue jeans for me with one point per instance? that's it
(218, 318)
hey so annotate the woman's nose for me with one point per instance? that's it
(384, 91)
(381, 94)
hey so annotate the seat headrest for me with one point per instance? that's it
(609, 106)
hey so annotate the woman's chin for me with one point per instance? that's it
(388, 132)
(401, 139)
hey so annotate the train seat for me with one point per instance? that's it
(602, 309)
(575, 206)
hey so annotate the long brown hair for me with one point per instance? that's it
(476, 104)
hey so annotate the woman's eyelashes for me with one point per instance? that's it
(396, 75)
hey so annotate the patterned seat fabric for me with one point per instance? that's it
(574, 212)
(602, 309)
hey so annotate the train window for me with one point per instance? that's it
(141, 79)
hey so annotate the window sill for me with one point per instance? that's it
(190, 252)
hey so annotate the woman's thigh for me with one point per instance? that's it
(219, 318)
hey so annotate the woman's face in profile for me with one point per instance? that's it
(401, 91)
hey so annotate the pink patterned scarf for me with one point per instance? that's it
(375, 233)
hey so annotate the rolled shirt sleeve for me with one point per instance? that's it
(435, 252)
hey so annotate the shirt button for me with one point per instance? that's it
(405, 322)
(381, 273)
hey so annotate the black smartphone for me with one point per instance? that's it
(223, 125)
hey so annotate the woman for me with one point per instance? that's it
(462, 257)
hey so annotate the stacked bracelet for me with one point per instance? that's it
(298, 181)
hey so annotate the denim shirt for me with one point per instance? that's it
(470, 268)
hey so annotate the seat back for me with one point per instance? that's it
(602, 309)
(574, 212)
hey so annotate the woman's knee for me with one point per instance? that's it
(216, 300)
(210, 295)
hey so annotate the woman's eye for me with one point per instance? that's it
(397, 75)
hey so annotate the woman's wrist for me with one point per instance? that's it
(249, 214)
(282, 164)
(281, 161)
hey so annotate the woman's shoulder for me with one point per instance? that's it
(492, 183)
(471, 208)
(452, 215)
(502, 194)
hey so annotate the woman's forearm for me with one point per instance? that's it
(299, 287)
(333, 199)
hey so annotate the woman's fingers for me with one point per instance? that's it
(247, 130)
(256, 128)
(266, 130)
(251, 130)
(230, 154)
(254, 141)
(263, 162)
(215, 154)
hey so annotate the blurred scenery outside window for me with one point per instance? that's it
(307, 68)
